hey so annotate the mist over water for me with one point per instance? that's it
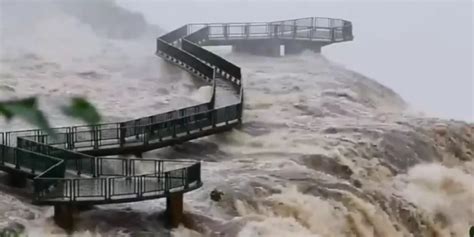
(323, 151)
(51, 51)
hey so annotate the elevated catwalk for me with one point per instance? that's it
(65, 168)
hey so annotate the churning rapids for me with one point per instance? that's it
(323, 151)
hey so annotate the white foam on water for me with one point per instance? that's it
(444, 194)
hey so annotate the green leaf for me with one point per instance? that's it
(82, 109)
(5, 112)
(7, 106)
(26, 109)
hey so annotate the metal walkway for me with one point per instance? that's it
(65, 168)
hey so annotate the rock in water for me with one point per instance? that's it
(216, 195)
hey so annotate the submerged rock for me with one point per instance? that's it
(216, 195)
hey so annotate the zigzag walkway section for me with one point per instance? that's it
(68, 169)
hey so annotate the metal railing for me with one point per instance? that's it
(311, 28)
(98, 137)
(78, 162)
(119, 186)
(130, 179)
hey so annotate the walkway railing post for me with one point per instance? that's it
(107, 189)
(103, 188)
(95, 132)
(225, 30)
(174, 127)
(125, 168)
(214, 118)
(138, 185)
(186, 122)
(94, 167)
(158, 134)
(73, 137)
(185, 178)
(17, 159)
(122, 134)
(73, 190)
(247, 30)
(146, 133)
(2, 154)
(226, 114)
(68, 139)
(131, 168)
(294, 29)
(167, 185)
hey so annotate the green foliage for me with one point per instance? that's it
(9, 232)
(27, 109)
(82, 109)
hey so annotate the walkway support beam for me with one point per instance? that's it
(294, 47)
(64, 215)
(266, 47)
(271, 47)
(174, 209)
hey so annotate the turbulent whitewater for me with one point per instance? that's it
(323, 151)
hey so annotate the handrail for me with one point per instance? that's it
(212, 58)
(262, 22)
